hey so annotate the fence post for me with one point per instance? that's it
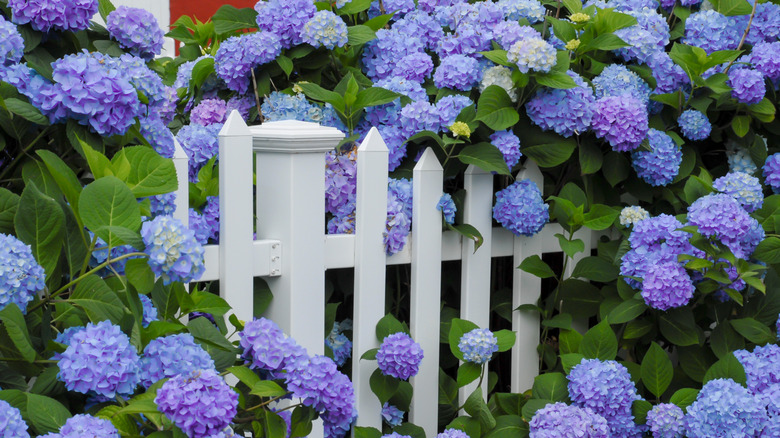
(291, 208)
(235, 219)
(370, 270)
(526, 289)
(181, 162)
(426, 288)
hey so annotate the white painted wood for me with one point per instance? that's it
(426, 288)
(235, 219)
(181, 163)
(370, 270)
(475, 271)
(266, 257)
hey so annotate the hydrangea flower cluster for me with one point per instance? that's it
(459, 72)
(764, 58)
(667, 285)
(561, 420)
(164, 204)
(239, 55)
(47, 15)
(631, 215)
(565, 111)
(156, 132)
(478, 346)
(509, 145)
(724, 405)
(209, 112)
(149, 311)
(399, 214)
(399, 356)
(21, 277)
(747, 85)
(11, 423)
(745, 189)
(267, 348)
(100, 255)
(621, 120)
(520, 208)
(325, 29)
(694, 125)
(711, 31)
(500, 76)
(447, 208)
(136, 30)
(762, 367)
(86, 426)
(200, 143)
(392, 415)
(720, 216)
(100, 359)
(199, 403)
(172, 355)
(666, 421)
(338, 342)
(11, 43)
(669, 76)
(452, 433)
(771, 172)
(532, 54)
(618, 80)
(174, 253)
(660, 165)
(515, 10)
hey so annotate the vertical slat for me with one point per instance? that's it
(181, 163)
(475, 271)
(526, 289)
(370, 219)
(235, 220)
(426, 288)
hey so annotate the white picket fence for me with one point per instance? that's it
(293, 252)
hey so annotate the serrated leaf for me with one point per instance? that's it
(229, 18)
(15, 325)
(495, 109)
(684, 397)
(359, 34)
(627, 311)
(657, 370)
(267, 388)
(109, 202)
(728, 367)
(599, 342)
(485, 156)
(383, 386)
(753, 330)
(40, 222)
(551, 386)
(595, 269)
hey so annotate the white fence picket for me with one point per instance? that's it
(182, 202)
(426, 288)
(370, 270)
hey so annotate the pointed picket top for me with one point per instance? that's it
(373, 142)
(475, 170)
(294, 136)
(178, 151)
(531, 171)
(428, 162)
(234, 126)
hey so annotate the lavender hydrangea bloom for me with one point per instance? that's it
(666, 421)
(607, 389)
(747, 86)
(399, 214)
(158, 135)
(239, 55)
(395, 435)
(449, 107)
(507, 33)
(86, 426)
(415, 67)
(11, 423)
(21, 277)
(209, 112)
(459, 72)
(447, 208)
(325, 29)
(399, 7)
(452, 433)
(267, 347)
(163, 204)
(338, 342)
(762, 367)
(765, 26)
(771, 172)
(61, 15)
(382, 53)
(509, 145)
(242, 104)
(621, 120)
(149, 311)
(172, 355)
(285, 18)
(520, 208)
(765, 57)
(481, 15)
(648, 36)
(199, 403)
(746, 189)
(11, 43)
(694, 125)
(340, 182)
(200, 143)
(514, 10)
(618, 80)
(100, 359)
(136, 30)
(392, 415)
(659, 233)
(211, 216)
(711, 31)
(660, 165)
(399, 356)
(423, 26)
(532, 54)
(724, 406)
(777, 326)
(667, 285)
(43, 94)
(174, 254)
(419, 116)
(557, 420)
(467, 40)
(565, 111)
(632, 215)
(478, 346)
(719, 215)
(669, 77)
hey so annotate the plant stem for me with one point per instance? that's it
(16, 161)
(744, 35)
(265, 403)
(257, 98)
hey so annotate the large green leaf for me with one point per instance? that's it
(551, 386)
(495, 109)
(26, 110)
(728, 367)
(657, 370)
(383, 386)
(108, 202)
(9, 203)
(599, 342)
(359, 34)
(485, 156)
(595, 269)
(550, 154)
(555, 79)
(98, 300)
(40, 223)
(732, 7)
(229, 18)
(627, 311)
(16, 326)
(679, 327)
(768, 251)
(374, 96)
(509, 426)
(753, 330)
(458, 328)
(65, 177)
(476, 407)
(45, 413)
(150, 174)
(536, 266)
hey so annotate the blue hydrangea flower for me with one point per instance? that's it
(172, 355)
(242, 104)
(747, 85)
(667, 285)
(481, 15)
(507, 33)
(520, 208)
(415, 67)
(149, 311)
(399, 7)
(659, 233)
(648, 36)
(11, 423)
(86, 426)
(136, 30)
(164, 204)
(606, 388)
(197, 223)
(285, 18)
(174, 254)
(618, 80)
(777, 326)
(557, 420)
(632, 5)
(61, 15)
(740, 161)
(669, 77)
(166, 108)
(666, 421)
(423, 26)
(238, 55)
(711, 31)
(200, 143)
(724, 405)
(660, 165)
(771, 172)
(720, 215)
(399, 214)
(621, 120)
(430, 6)
(382, 53)
(209, 112)
(509, 145)
(21, 277)
(211, 216)
(565, 111)
(340, 182)
(514, 10)
(459, 72)
(392, 415)
(632, 215)
(746, 189)
(100, 359)
(418, 116)
(199, 403)
(11, 43)
(694, 125)
(765, 57)
(338, 342)
(325, 29)
(267, 348)
(532, 54)
(467, 40)
(64, 338)
(762, 367)
(452, 433)
(43, 94)
(449, 107)
(399, 356)
(765, 26)
(156, 132)
(447, 208)
(478, 346)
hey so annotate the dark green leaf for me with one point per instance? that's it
(753, 330)
(678, 326)
(728, 367)
(15, 325)
(485, 156)
(627, 311)
(536, 266)
(40, 223)
(595, 269)
(229, 18)
(555, 79)
(9, 203)
(551, 154)
(551, 386)
(495, 109)
(506, 339)
(109, 202)
(359, 34)
(467, 373)
(267, 388)
(387, 326)
(45, 413)
(383, 386)
(476, 407)
(26, 111)
(657, 370)
(509, 426)
(599, 342)
(98, 300)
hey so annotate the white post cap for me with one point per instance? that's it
(294, 137)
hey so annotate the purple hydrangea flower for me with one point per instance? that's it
(669, 77)
(621, 120)
(399, 214)
(211, 216)
(747, 86)
(633, 5)
(724, 405)
(746, 189)
(777, 326)
(765, 57)
(200, 143)
(158, 135)
(532, 54)
(325, 29)
(100, 359)
(197, 223)
(694, 125)
(765, 26)
(711, 31)
(520, 208)
(199, 403)
(392, 415)
(184, 76)
(340, 182)
(557, 420)
(452, 433)
(11, 43)
(267, 347)
(395, 435)
(164, 204)
(666, 421)
(762, 367)
(86, 426)
(648, 36)
(149, 311)
(172, 355)
(381, 54)
(174, 254)
(565, 111)
(43, 94)
(771, 172)
(61, 15)
(21, 277)
(285, 18)
(136, 30)
(209, 112)
(667, 285)
(449, 107)
(399, 356)
(509, 145)
(242, 104)
(239, 55)
(447, 208)
(468, 40)
(11, 423)
(415, 67)
(459, 72)
(478, 346)
(719, 215)
(481, 15)
(507, 33)
(659, 233)
(399, 7)
(660, 165)
(423, 26)
(430, 6)
(338, 342)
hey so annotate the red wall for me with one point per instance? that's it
(203, 9)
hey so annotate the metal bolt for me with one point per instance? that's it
(275, 246)
(275, 258)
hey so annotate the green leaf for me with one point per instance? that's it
(26, 111)
(551, 386)
(563, 29)
(387, 326)
(570, 360)
(732, 7)
(657, 370)
(458, 328)
(550, 154)
(366, 432)
(485, 156)
(40, 223)
(467, 373)
(599, 342)
(595, 269)
(214, 342)
(125, 424)
(350, 8)
(285, 64)
(9, 203)
(536, 266)
(98, 300)
(740, 125)
(370, 354)
(45, 413)
(569, 341)
(105, 7)
(768, 251)
(606, 42)
(627, 311)
(640, 408)
(615, 168)
(315, 92)
(684, 397)
(383, 386)
(379, 21)
(140, 275)
(109, 202)
(724, 339)
(374, 96)
(359, 34)
(229, 18)
(207, 302)
(533, 405)
(561, 321)
(495, 109)
(470, 232)
(579, 298)
(509, 426)
(476, 407)
(591, 158)
(66, 179)
(728, 367)
(600, 217)
(139, 406)
(555, 79)
(15, 325)
(753, 330)
(202, 70)
(267, 388)
(506, 339)
(150, 174)
(245, 375)
(497, 56)
(679, 327)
